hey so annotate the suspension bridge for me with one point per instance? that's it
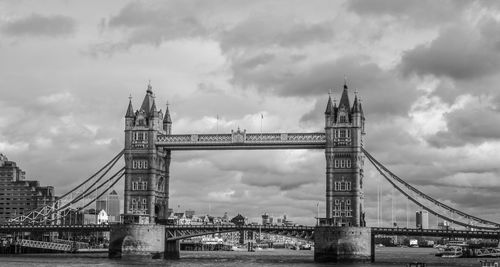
(149, 144)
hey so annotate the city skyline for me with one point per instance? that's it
(427, 80)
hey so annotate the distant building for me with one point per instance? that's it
(422, 219)
(102, 217)
(444, 225)
(239, 220)
(270, 220)
(110, 204)
(19, 196)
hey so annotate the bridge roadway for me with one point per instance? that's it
(176, 232)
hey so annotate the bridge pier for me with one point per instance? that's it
(172, 250)
(136, 240)
(343, 244)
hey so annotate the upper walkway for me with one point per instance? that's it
(240, 140)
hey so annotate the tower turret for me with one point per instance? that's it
(344, 162)
(167, 122)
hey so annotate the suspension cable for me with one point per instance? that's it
(94, 175)
(378, 166)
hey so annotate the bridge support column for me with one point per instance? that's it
(343, 244)
(141, 240)
(172, 250)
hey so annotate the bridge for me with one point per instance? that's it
(148, 148)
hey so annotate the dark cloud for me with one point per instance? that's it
(422, 12)
(272, 30)
(153, 23)
(40, 25)
(472, 124)
(460, 52)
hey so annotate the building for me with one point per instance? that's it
(422, 219)
(102, 217)
(344, 129)
(110, 204)
(19, 196)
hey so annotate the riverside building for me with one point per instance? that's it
(19, 196)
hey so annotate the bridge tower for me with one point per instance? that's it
(344, 128)
(147, 176)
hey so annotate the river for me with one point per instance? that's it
(280, 257)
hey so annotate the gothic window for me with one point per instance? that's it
(348, 163)
(336, 133)
(134, 186)
(336, 163)
(144, 205)
(347, 133)
(342, 163)
(348, 186)
(348, 214)
(336, 201)
(343, 119)
(144, 185)
(348, 202)
(139, 164)
(134, 204)
(343, 134)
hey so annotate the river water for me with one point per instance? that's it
(280, 257)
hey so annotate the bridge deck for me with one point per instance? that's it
(173, 231)
(241, 140)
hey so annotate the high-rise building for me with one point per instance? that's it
(344, 128)
(110, 204)
(422, 219)
(19, 196)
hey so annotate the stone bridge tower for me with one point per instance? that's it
(146, 174)
(344, 128)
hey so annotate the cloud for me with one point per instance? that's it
(472, 124)
(420, 12)
(267, 30)
(451, 55)
(40, 25)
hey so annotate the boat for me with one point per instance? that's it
(452, 252)
(305, 247)
(237, 248)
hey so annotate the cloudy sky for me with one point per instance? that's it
(427, 71)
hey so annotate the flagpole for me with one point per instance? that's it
(261, 118)
(217, 123)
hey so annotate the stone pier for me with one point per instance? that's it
(137, 240)
(343, 244)
(172, 250)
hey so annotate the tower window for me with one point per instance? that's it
(343, 119)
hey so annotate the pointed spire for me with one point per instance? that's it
(130, 109)
(166, 118)
(344, 99)
(147, 103)
(355, 105)
(329, 106)
(150, 88)
(154, 111)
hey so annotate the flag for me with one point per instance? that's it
(261, 116)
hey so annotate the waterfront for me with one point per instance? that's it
(385, 256)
